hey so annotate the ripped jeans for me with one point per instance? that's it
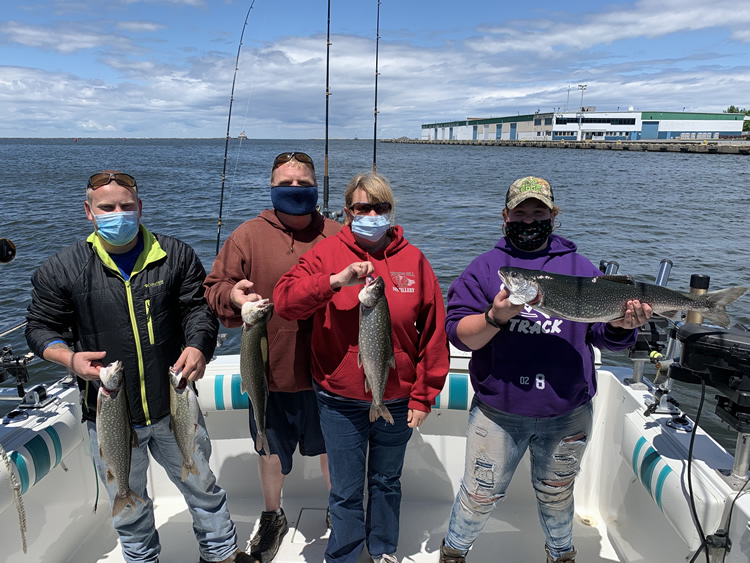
(496, 442)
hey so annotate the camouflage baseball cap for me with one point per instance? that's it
(525, 188)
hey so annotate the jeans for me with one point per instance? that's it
(207, 502)
(349, 435)
(495, 443)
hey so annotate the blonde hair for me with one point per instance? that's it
(377, 188)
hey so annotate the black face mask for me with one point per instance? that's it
(528, 236)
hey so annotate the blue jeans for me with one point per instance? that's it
(212, 525)
(349, 435)
(495, 443)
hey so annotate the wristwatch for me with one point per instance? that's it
(491, 321)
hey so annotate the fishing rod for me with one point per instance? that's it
(229, 121)
(375, 131)
(326, 212)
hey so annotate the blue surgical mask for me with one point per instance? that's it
(295, 200)
(371, 227)
(117, 228)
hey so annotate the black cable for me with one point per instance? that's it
(693, 511)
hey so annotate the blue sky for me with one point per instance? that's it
(164, 68)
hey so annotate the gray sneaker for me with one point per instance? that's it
(266, 542)
(568, 557)
(388, 558)
(450, 555)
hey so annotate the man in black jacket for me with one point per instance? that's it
(130, 295)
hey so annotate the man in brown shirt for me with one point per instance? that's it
(250, 263)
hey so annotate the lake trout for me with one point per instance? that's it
(375, 345)
(183, 406)
(604, 298)
(115, 434)
(254, 363)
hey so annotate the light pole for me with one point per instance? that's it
(581, 87)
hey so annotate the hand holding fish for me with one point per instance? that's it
(192, 364)
(415, 418)
(504, 307)
(353, 274)
(637, 314)
(474, 330)
(86, 365)
(243, 292)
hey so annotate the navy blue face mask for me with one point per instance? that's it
(295, 200)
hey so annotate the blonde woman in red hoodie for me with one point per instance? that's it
(326, 284)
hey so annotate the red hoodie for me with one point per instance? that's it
(415, 302)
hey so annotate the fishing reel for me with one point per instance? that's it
(15, 366)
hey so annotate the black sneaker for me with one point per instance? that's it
(265, 543)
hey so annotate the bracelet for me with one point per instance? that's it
(491, 321)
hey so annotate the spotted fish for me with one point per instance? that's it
(375, 344)
(254, 363)
(604, 298)
(184, 408)
(115, 434)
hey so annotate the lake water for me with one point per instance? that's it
(633, 208)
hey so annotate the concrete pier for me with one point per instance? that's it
(707, 147)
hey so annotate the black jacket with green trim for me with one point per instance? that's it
(145, 322)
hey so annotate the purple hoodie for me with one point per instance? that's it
(540, 366)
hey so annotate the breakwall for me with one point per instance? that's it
(705, 147)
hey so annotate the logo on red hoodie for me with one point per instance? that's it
(403, 281)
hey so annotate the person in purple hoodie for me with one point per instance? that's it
(533, 376)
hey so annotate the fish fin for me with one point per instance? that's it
(185, 470)
(264, 349)
(718, 300)
(619, 278)
(377, 411)
(392, 363)
(110, 477)
(675, 315)
(367, 386)
(359, 359)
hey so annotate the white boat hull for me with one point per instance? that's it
(631, 498)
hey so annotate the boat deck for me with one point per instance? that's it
(513, 528)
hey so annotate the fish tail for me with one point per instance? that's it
(717, 302)
(261, 443)
(121, 502)
(188, 469)
(377, 411)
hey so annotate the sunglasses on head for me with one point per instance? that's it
(103, 178)
(285, 157)
(362, 208)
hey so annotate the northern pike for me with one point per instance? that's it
(115, 434)
(375, 345)
(254, 363)
(184, 408)
(604, 298)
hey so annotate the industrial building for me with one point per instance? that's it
(589, 124)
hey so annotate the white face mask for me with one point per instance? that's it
(370, 227)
